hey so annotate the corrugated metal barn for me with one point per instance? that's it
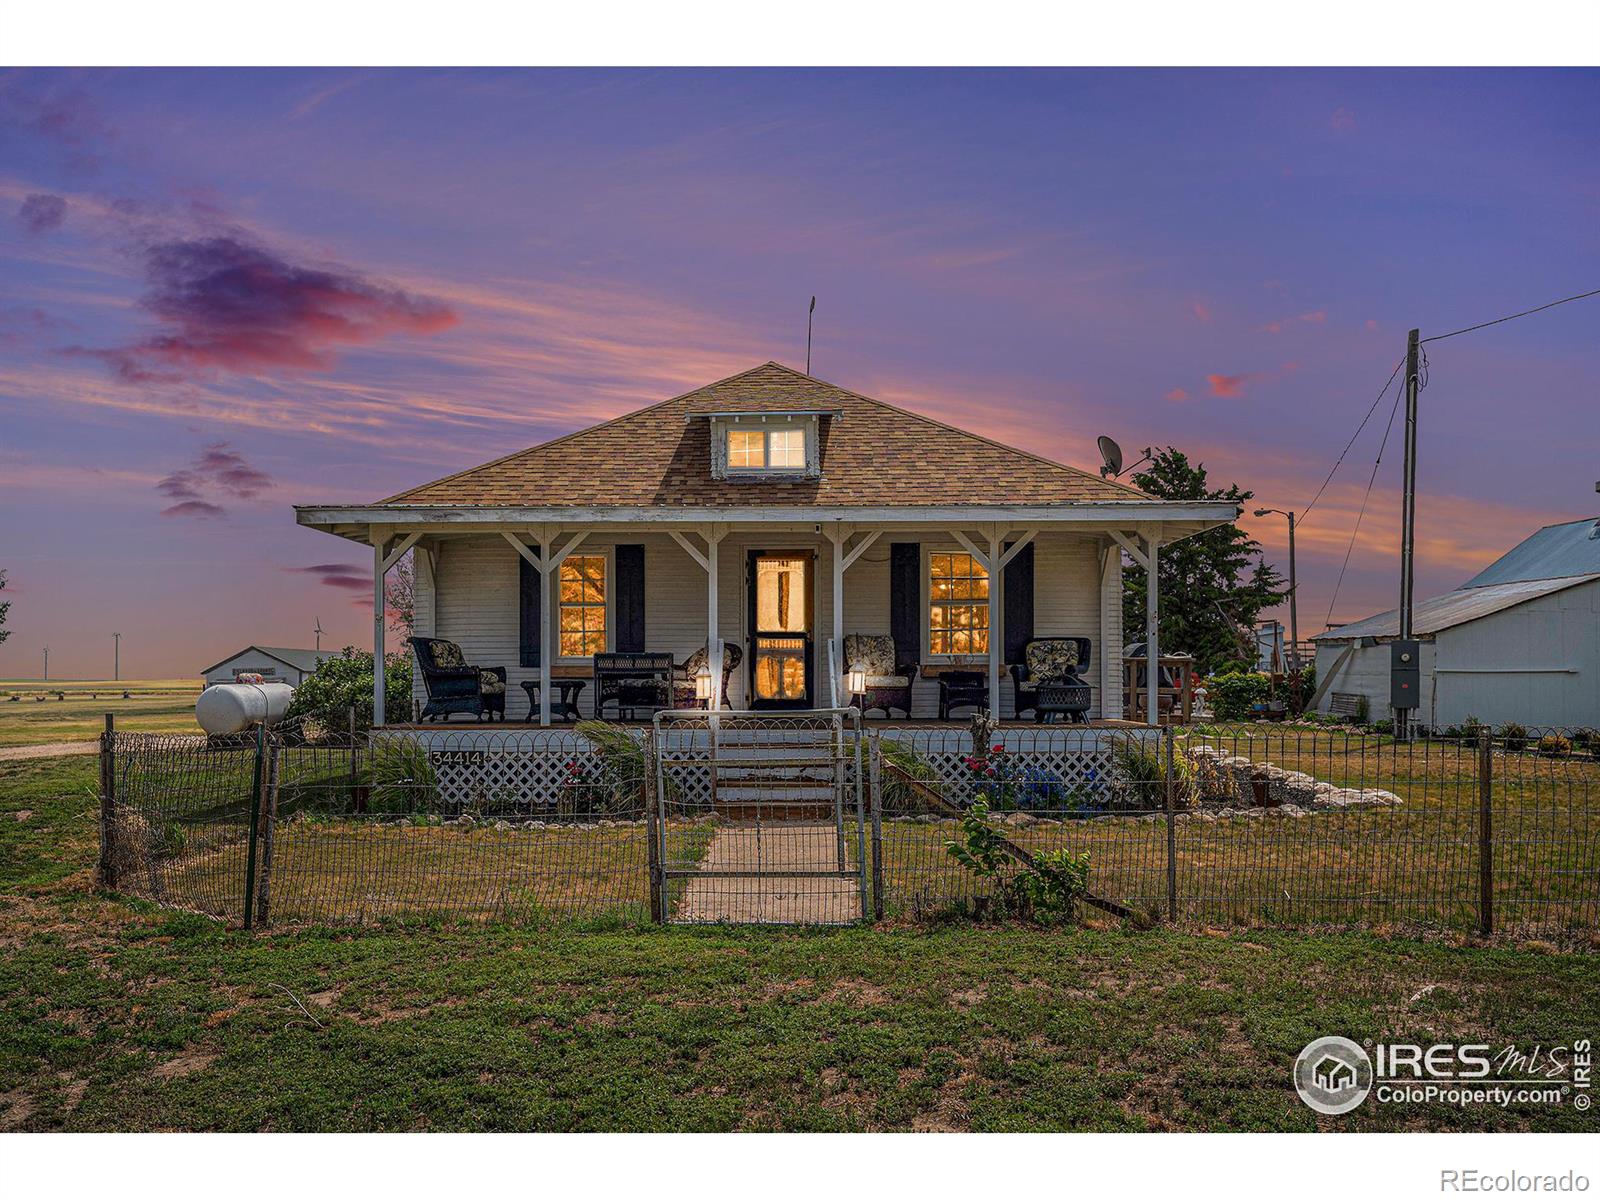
(1520, 641)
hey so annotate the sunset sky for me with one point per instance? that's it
(227, 292)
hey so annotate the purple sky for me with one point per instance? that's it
(226, 292)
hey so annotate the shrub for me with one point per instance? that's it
(1514, 735)
(399, 776)
(1141, 774)
(617, 786)
(897, 795)
(344, 681)
(1586, 739)
(1047, 889)
(1235, 695)
(1555, 745)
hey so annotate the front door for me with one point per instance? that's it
(778, 616)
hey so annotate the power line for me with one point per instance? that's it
(1371, 479)
(1439, 337)
(1301, 518)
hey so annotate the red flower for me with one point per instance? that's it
(998, 748)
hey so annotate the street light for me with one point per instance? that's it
(1294, 615)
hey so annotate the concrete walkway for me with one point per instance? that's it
(775, 898)
(47, 750)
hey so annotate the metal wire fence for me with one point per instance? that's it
(811, 818)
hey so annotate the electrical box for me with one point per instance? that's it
(1405, 673)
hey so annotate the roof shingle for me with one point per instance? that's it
(873, 454)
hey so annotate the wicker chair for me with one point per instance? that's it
(889, 680)
(454, 685)
(684, 673)
(1054, 660)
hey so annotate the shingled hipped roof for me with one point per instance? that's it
(872, 454)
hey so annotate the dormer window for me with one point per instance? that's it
(762, 445)
(766, 450)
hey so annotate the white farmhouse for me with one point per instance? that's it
(1519, 641)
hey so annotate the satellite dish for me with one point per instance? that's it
(1112, 454)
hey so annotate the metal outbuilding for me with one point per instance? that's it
(1519, 641)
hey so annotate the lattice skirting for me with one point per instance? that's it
(530, 770)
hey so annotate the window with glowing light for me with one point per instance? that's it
(958, 605)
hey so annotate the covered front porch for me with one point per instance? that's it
(761, 609)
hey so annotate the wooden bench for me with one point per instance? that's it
(1346, 704)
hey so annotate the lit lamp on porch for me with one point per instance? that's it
(702, 685)
(855, 680)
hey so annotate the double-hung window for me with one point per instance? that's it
(582, 605)
(958, 605)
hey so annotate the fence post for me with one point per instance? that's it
(875, 799)
(108, 804)
(255, 819)
(1485, 833)
(1172, 826)
(354, 773)
(652, 802)
(269, 820)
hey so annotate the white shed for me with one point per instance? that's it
(1520, 641)
(282, 663)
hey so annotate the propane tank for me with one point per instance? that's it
(233, 707)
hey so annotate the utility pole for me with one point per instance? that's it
(1408, 524)
(809, 313)
(1294, 608)
(47, 664)
(116, 656)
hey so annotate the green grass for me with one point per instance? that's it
(121, 1016)
(153, 706)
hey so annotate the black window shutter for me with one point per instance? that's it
(1019, 603)
(905, 600)
(529, 601)
(629, 607)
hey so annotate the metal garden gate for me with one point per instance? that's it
(759, 818)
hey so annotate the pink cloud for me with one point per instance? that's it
(1200, 311)
(1177, 394)
(194, 508)
(1316, 317)
(337, 575)
(226, 304)
(1228, 386)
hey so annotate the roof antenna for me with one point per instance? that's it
(809, 311)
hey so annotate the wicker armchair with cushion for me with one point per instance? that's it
(888, 680)
(683, 675)
(455, 685)
(1052, 664)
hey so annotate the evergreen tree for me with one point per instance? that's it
(1213, 585)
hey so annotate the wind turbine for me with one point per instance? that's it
(319, 633)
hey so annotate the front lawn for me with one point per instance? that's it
(118, 1015)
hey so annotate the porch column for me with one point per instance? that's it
(546, 617)
(381, 563)
(996, 569)
(1152, 632)
(377, 628)
(713, 642)
(836, 665)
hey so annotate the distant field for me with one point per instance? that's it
(153, 706)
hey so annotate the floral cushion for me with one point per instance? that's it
(696, 662)
(1051, 659)
(447, 654)
(872, 653)
(888, 681)
(489, 684)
